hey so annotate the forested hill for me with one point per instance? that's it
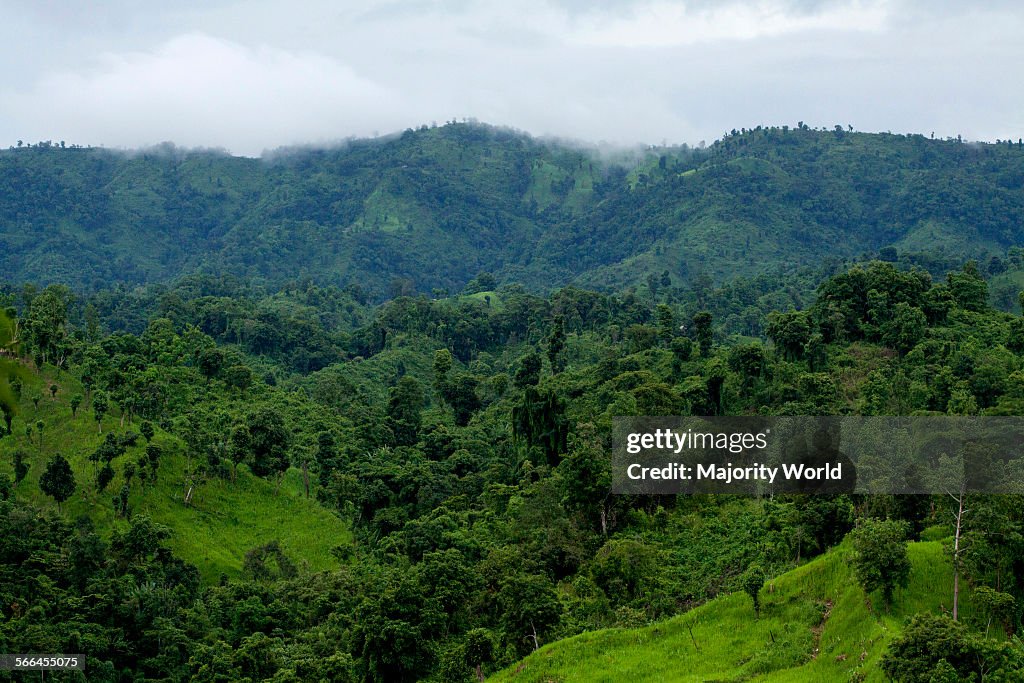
(430, 208)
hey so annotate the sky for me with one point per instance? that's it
(256, 75)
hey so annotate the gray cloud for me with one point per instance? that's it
(256, 75)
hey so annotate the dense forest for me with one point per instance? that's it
(346, 415)
(430, 208)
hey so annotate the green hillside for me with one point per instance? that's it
(222, 522)
(816, 625)
(430, 208)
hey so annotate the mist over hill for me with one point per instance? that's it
(431, 208)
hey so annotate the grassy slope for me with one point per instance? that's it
(1004, 289)
(790, 642)
(225, 519)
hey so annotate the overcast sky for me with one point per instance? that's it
(249, 76)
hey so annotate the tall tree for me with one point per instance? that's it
(405, 405)
(666, 325)
(100, 405)
(269, 440)
(528, 373)
(21, 466)
(540, 420)
(58, 481)
(46, 321)
(702, 332)
(556, 344)
(880, 556)
(968, 287)
(950, 478)
(460, 394)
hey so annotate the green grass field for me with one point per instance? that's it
(225, 519)
(816, 625)
(491, 299)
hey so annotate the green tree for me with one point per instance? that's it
(100, 405)
(1015, 340)
(479, 650)
(120, 501)
(752, 581)
(269, 440)
(666, 324)
(540, 420)
(528, 373)
(623, 568)
(968, 287)
(880, 556)
(239, 448)
(239, 377)
(586, 475)
(961, 400)
(21, 467)
(790, 332)
(74, 402)
(104, 477)
(556, 344)
(750, 361)
(46, 320)
(326, 456)
(994, 605)
(529, 608)
(460, 394)
(404, 413)
(682, 350)
(640, 338)
(905, 328)
(388, 636)
(442, 366)
(931, 647)
(702, 332)
(58, 481)
(153, 455)
(211, 362)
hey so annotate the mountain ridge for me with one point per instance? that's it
(431, 208)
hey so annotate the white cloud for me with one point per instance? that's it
(663, 24)
(196, 90)
(264, 73)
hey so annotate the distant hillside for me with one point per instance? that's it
(431, 208)
(223, 521)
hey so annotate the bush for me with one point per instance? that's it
(880, 558)
(936, 648)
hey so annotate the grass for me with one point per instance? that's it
(545, 174)
(225, 519)
(383, 211)
(1004, 288)
(816, 624)
(934, 236)
(489, 299)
